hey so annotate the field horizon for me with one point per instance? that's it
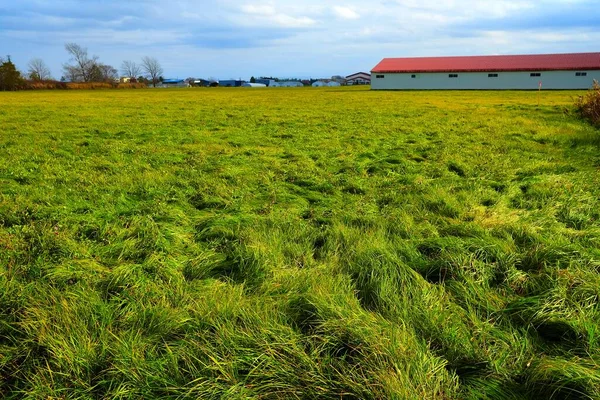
(334, 243)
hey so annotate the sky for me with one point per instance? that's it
(227, 39)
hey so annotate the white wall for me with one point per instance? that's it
(480, 80)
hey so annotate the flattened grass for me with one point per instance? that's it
(298, 243)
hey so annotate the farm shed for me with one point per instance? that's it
(319, 84)
(254, 85)
(174, 83)
(203, 82)
(265, 81)
(551, 71)
(290, 84)
(231, 83)
(359, 78)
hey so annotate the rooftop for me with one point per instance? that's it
(531, 62)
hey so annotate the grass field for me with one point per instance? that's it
(298, 243)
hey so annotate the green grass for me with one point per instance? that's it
(298, 243)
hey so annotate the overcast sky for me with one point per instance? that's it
(311, 38)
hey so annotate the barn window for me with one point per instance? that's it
(492, 75)
(535, 74)
(452, 75)
(413, 76)
(379, 76)
(581, 74)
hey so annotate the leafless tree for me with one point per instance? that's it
(83, 65)
(130, 69)
(109, 73)
(152, 68)
(103, 73)
(71, 74)
(38, 70)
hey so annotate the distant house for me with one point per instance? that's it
(532, 71)
(254, 85)
(265, 81)
(290, 84)
(202, 82)
(125, 79)
(326, 83)
(174, 83)
(359, 78)
(231, 83)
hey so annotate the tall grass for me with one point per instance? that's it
(589, 104)
(300, 244)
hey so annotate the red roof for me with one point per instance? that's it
(532, 62)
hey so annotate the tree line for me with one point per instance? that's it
(81, 68)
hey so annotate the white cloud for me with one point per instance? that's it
(345, 12)
(258, 9)
(229, 38)
(267, 15)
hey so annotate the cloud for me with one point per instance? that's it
(268, 15)
(261, 9)
(233, 38)
(345, 12)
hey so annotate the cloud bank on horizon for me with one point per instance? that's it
(240, 38)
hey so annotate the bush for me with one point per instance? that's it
(45, 85)
(589, 104)
(57, 85)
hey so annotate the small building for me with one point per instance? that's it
(125, 79)
(359, 78)
(333, 84)
(319, 84)
(290, 84)
(254, 85)
(534, 71)
(265, 81)
(174, 83)
(202, 82)
(231, 83)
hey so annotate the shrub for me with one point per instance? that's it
(54, 85)
(589, 104)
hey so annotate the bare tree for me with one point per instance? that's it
(83, 65)
(152, 68)
(103, 73)
(71, 74)
(38, 70)
(130, 69)
(109, 73)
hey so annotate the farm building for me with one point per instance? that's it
(204, 82)
(265, 81)
(288, 84)
(326, 83)
(254, 85)
(360, 78)
(174, 83)
(550, 71)
(231, 83)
